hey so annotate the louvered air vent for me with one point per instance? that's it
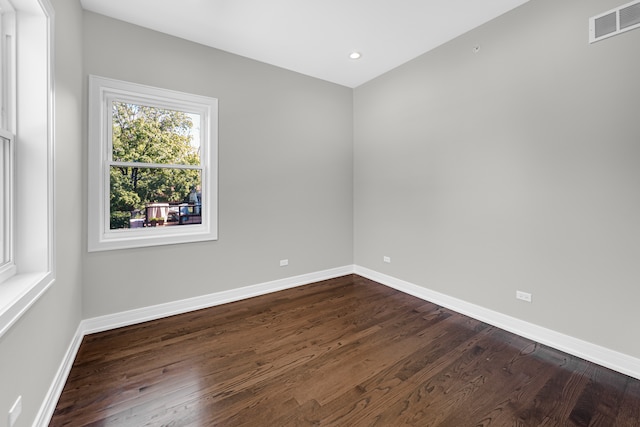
(616, 21)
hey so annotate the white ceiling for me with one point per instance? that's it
(313, 37)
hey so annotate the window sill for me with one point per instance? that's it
(19, 293)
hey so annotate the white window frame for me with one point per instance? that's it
(7, 137)
(7, 183)
(28, 114)
(102, 93)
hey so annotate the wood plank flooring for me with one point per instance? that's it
(343, 352)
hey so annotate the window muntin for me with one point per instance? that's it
(152, 166)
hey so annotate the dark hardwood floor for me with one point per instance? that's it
(343, 352)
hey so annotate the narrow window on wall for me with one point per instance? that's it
(7, 108)
(153, 159)
(6, 205)
(27, 261)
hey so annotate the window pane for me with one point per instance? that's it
(5, 202)
(140, 194)
(147, 134)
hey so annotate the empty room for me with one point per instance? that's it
(288, 213)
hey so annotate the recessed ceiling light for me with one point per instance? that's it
(355, 55)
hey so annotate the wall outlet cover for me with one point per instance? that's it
(524, 296)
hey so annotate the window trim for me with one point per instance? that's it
(7, 133)
(33, 128)
(102, 91)
(8, 211)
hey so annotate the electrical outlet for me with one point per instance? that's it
(386, 259)
(284, 262)
(524, 296)
(15, 411)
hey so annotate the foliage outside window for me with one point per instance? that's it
(152, 166)
(166, 141)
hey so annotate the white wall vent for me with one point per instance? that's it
(614, 22)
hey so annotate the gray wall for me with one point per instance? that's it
(285, 177)
(32, 350)
(516, 168)
(479, 174)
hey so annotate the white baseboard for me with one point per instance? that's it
(51, 399)
(131, 317)
(611, 359)
(602, 356)
(139, 315)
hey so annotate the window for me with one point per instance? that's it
(27, 265)
(7, 107)
(7, 267)
(152, 166)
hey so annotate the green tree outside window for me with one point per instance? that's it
(155, 159)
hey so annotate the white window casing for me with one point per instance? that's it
(7, 265)
(7, 139)
(103, 92)
(27, 123)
